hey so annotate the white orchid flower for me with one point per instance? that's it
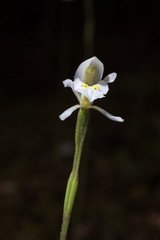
(88, 86)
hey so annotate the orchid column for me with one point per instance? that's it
(87, 87)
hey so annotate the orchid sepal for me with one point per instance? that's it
(107, 114)
(68, 112)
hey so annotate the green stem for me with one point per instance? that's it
(81, 128)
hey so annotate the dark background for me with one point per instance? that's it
(42, 44)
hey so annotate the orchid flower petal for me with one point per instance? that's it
(83, 88)
(68, 112)
(102, 87)
(94, 62)
(110, 78)
(108, 115)
(91, 92)
(98, 91)
(70, 83)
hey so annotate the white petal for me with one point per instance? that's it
(68, 112)
(106, 114)
(90, 92)
(110, 78)
(96, 63)
(77, 83)
(98, 93)
(87, 92)
(103, 87)
(70, 83)
(78, 86)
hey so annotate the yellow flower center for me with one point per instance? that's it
(84, 85)
(95, 87)
(89, 75)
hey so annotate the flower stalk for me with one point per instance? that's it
(81, 128)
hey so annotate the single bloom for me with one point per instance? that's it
(89, 86)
